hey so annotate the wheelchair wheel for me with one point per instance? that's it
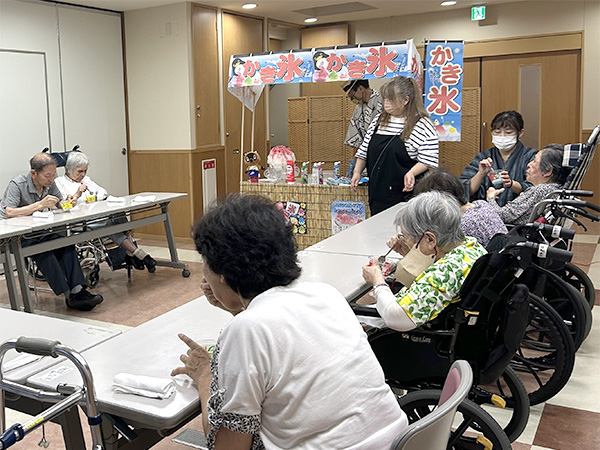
(93, 277)
(580, 280)
(511, 389)
(569, 304)
(476, 425)
(545, 360)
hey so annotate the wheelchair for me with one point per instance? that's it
(563, 205)
(543, 278)
(546, 356)
(485, 328)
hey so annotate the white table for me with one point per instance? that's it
(367, 238)
(8, 231)
(152, 349)
(63, 222)
(77, 335)
(342, 271)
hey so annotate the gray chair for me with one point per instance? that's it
(432, 432)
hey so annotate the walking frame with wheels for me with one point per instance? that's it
(65, 398)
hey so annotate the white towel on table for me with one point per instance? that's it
(152, 387)
(144, 198)
(113, 199)
(43, 214)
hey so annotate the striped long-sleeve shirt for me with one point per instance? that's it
(422, 145)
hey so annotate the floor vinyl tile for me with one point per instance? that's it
(568, 428)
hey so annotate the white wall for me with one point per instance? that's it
(76, 72)
(502, 21)
(160, 87)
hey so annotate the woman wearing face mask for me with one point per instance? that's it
(546, 175)
(401, 144)
(508, 155)
(437, 259)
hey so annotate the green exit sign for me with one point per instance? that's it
(478, 13)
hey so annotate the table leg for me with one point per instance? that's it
(70, 424)
(171, 242)
(9, 277)
(22, 274)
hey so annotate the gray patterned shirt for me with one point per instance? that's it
(21, 192)
(361, 119)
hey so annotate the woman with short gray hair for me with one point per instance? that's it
(437, 259)
(77, 184)
(545, 173)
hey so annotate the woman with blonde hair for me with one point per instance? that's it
(401, 144)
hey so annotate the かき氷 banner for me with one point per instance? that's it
(350, 62)
(443, 87)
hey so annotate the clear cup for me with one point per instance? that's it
(66, 205)
(495, 178)
(91, 198)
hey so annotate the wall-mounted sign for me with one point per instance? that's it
(478, 13)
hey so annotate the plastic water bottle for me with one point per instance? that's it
(336, 169)
(304, 173)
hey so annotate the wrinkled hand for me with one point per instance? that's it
(485, 165)
(493, 193)
(372, 273)
(82, 188)
(196, 361)
(398, 244)
(409, 182)
(506, 180)
(72, 199)
(49, 201)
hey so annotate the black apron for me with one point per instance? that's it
(387, 163)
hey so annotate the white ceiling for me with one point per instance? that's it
(285, 10)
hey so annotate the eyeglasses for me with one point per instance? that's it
(351, 92)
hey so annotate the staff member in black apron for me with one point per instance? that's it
(401, 144)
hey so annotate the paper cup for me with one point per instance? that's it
(495, 178)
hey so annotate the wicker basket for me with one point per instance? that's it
(318, 200)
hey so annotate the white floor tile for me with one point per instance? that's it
(586, 238)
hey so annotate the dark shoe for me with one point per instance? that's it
(84, 300)
(150, 263)
(134, 262)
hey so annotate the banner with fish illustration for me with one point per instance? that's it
(349, 62)
(443, 87)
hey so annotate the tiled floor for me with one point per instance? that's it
(567, 421)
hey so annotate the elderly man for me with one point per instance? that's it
(368, 104)
(36, 191)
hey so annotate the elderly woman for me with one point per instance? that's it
(546, 175)
(437, 259)
(479, 218)
(76, 184)
(401, 144)
(283, 374)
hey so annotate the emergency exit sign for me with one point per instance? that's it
(478, 13)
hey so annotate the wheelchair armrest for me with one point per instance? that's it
(361, 310)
